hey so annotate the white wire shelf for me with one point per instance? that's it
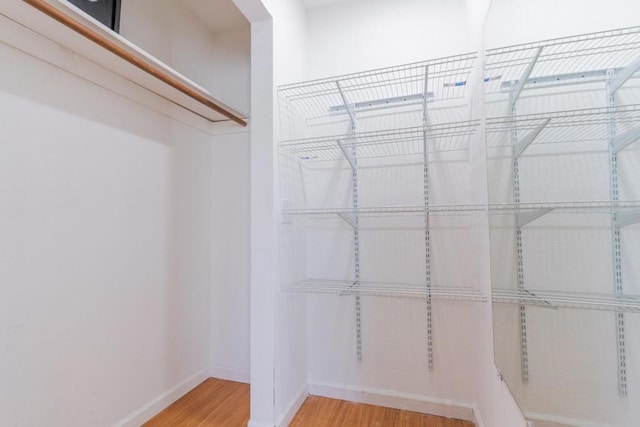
(416, 83)
(387, 289)
(383, 211)
(454, 136)
(626, 212)
(565, 299)
(566, 60)
(586, 125)
(603, 207)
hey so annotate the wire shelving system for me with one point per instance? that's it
(609, 60)
(308, 105)
(378, 114)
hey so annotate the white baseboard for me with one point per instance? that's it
(477, 419)
(542, 420)
(256, 424)
(230, 374)
(293, 408)
(397, 400)
(153, 407)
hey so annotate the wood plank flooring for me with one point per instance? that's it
(213, 403)
(324, 412)
(219, 403)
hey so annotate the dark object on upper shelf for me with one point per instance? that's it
(105, 11)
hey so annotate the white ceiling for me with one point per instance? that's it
(314, 4)
(218, 15)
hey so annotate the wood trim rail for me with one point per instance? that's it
(206, 100)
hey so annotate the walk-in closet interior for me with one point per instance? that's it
(425, 205)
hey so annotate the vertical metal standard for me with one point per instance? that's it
(427, 234)
(524, 351)
(615, 237)
(514, 93)
(356, 222)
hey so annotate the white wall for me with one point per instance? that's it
(231, 68)
(572, 354)
(115, 291)
(230, 76)
(178, 36)
(358, 35)
(230, 257)
(106, 249)
(355, 36)
(220, 62)
(173, 33)
(513, 22)
(290, 64)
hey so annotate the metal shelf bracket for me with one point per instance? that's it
(523, 79)
(528, 139)
(627, 218)
(621, 76)
(349, 219)
(623, 140)
(524, 218)
(347, 155)
(544, 302)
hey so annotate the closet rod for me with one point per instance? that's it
(203, 98)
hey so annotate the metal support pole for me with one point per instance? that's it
(355, 219)
(427, 233)
(524, 352)
(615, 237)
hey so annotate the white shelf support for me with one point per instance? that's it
(627, 218)
(522, 145)
(354, 221)
(524, 218)
(620, 77)
(425, 95)
(347, 291)
(427, 231)
(567, 299)
(523, 79)
(349, 219)
(543, 302)
(348, 106)
(622, 141)
(614, 78)
(559, 79)
(347, 155)
(377, 104)
(524, 346)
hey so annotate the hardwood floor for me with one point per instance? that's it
(219, 403)
(324, 412)
(213, 403)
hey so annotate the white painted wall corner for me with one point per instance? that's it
(230, 374)
(153, 407)
(293, 407)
